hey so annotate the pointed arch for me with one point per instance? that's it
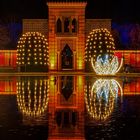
(67, 58)
(59, 25)
(66, 87)
(66, 24)
(74, 25)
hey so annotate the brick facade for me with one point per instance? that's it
(57, 41)
(97, 23)
(35, 25)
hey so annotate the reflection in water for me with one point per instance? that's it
(66, 86)
(66, 108)
(32, 96)
(65, 119)
(7, 85)
(101, 97)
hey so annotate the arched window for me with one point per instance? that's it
(74, 25)
(67, 58)
(59, 26)
(66, 24)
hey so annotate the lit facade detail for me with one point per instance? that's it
(100, 98)
(8, 58)
(66, 35)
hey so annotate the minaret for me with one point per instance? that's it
(66, 34)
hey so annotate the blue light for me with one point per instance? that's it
(124, 33)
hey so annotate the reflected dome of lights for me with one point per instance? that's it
(100, 98)
(32, 96)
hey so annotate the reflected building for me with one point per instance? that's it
(100, 98)
(131, 86)
(66, 108)
(59, 102)
(7, 85)
(32, 99)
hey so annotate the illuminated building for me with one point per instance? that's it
(8, 59)
(66, 31)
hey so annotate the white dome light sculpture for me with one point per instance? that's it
(105, 66)
(100, 52)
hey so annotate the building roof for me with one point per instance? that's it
(66, 3)
(66, 0)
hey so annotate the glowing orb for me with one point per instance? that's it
(99, 42)
(32, 49)
(100, 52)
(101, 97)
(104, 66)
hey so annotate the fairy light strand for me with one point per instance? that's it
(100, 98)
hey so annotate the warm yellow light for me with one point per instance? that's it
(28, 47)
(52, 65)
(25, 105)
(100, 99)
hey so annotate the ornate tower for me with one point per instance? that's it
(66, 34)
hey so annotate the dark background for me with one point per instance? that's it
(119, 10)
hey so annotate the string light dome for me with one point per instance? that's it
(32, 96)
(99, 52)
(100, 98)
(32, 50)
(99, 43)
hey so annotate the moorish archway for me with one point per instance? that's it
(66, 87)
(67, 58)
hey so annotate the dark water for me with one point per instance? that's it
(69, 107)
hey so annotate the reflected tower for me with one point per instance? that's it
(100, 98)
(66, 108)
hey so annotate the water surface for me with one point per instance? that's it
(69, 107)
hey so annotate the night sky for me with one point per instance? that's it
(118, 10)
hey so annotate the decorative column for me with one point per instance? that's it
(58, 60)
(74, 60)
